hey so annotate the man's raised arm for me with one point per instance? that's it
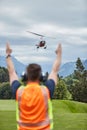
(12, 74)
(56, 64)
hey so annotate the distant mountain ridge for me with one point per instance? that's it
(65, 70)
(69, 67)
(19, 67)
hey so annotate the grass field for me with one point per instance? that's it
(68, 115)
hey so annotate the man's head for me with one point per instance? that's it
(33, 72)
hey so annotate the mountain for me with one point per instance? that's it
(85, 64)
(69, 67)
(65, 70)
(19, 67)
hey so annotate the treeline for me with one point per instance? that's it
(72, 87)
(5, 89)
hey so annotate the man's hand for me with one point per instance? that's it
(59, 56)
(8, 49)
(12, 74)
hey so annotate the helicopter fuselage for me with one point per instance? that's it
(41, 44)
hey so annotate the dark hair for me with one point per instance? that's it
(33, 72)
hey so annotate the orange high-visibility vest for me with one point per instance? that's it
(34, 110)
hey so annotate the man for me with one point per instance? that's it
(34, 110)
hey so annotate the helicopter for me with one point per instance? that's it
(42, 42)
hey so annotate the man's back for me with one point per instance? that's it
(33, 106)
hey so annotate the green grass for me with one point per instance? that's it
(7, 115)
(68, 115)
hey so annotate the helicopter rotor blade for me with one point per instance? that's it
(36, 34)
(40, 35)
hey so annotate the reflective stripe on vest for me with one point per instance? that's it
(42, 123)
(20, 91)
(34, 124)
(48, 106)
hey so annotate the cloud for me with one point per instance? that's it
(65, 20)
(34, 59)
(63, 13)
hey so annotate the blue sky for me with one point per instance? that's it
(66, 20)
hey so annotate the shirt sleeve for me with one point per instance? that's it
(51, 86)
(15, 85)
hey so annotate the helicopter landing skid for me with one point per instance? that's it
(45, 47)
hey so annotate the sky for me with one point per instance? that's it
(64, 20)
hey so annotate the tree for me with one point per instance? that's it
(5, 91)
(79, 87)
(4, 76)
(78, 73)
(79, 65)
(61, 91)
